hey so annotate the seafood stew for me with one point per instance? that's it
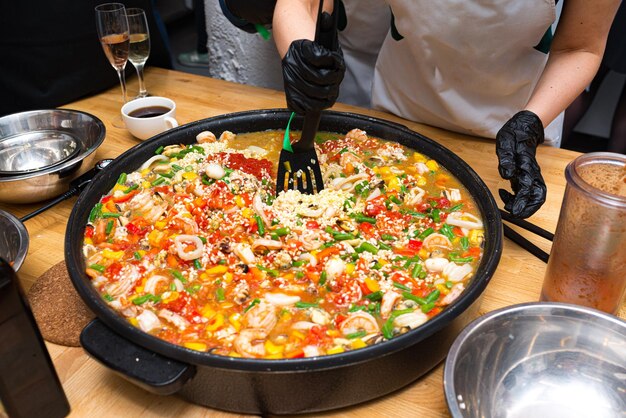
(194, 247)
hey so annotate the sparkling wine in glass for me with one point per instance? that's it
(139, 44)
(114, 37)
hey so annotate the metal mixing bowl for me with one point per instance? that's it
(13, 240)
(41, 151)
(538, 360)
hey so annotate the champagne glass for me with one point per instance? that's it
(114, 37)
(139, 44)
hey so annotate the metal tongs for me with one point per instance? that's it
(523, 242)
(299, 167)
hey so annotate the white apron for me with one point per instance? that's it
(367, 26)
(463, 65)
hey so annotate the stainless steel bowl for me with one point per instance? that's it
(538, 360)
(41, 151)
(13, 240)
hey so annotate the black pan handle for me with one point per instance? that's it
(146, 369)
(29, 385)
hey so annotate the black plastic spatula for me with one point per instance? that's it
(298, 167)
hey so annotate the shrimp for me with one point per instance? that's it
(434, 241)
(262, 316)
(205, 137)
(389, 300)
(358, 321)
(357, 134)
(250, 343)
(150, 208)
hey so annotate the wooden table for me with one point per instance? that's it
(94, 391)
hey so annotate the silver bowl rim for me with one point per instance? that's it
(476, 325)
(66, 164)
(24, 239)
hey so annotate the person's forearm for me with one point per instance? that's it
(295, 19)
(575, 56)
(564, 78)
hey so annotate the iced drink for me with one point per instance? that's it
(587, 264)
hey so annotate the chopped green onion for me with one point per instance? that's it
(197, 264)
(108, 297)
(158, 181)
(455, 207)
(417, 269)
(411, 296)
(298, 263)
(110, 215)
(464, 243)
(449, 284)
(254, 302)
(457, 259)
(122, 179)
(159, 150)
(425, 233)
(358, 334)
(383, 246)
(172, 286)
(388, 237)
(356, 308)
(177, 274)
(193, 289)
(202, 239)
(395, 200)
(428, 307)
(305, 305)
(375, 296)
(447, 231)
(98, 267)
(109, 226)
(401, 286)
(323, 276)
(388, 326)
(219, 294)
(143, 299)
(435, 215)
(366, 246)
(137, 255)
(260, 225)
(176, 167)
(131, 188)
(95, 212)
(281, 232)
(359, 217)
(343, 236)
(433, 296)
(271, 272)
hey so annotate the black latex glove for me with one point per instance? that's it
(516, 145)
(312, 75)
(246, 13)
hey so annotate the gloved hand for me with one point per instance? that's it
(312, 75)
(246, 13)
(516, 145)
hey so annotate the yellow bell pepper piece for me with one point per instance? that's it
(272, 348)
(172, 297)
(219, 269)
(350, 268)
(195, 345)
(372, 284)
(335, 350)
(190, 175)
(357, 343)
(432, 165)
(216, 322)
(112, 255)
